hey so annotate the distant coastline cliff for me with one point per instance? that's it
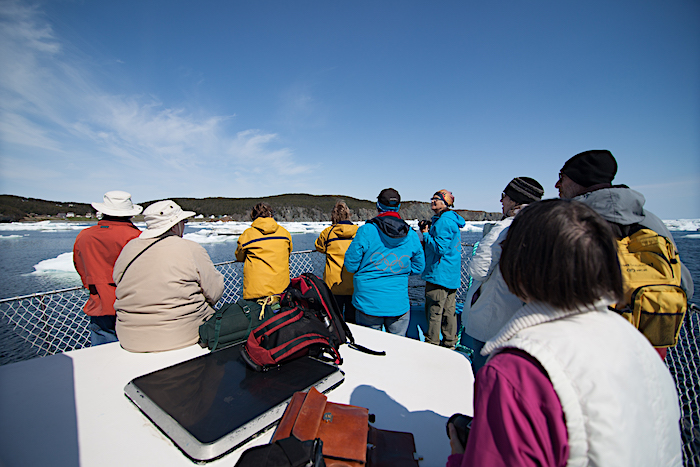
(296, 207)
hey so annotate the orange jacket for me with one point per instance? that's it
(95, 251)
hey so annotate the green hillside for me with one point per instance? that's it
(297, 207)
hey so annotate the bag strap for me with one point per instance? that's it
(271, 301)
(219, 316)
(363, 349)
(140, 253)
(348, 334)
(328, 238)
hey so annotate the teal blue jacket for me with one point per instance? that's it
(382, 255)
(443, 250)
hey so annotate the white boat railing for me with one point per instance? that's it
(48, 323)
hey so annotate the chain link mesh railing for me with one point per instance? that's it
(44, 324)
(53, 322)
(683, 361)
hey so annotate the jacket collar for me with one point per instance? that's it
(535, 313)
(389, 214)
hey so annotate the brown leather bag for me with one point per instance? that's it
(348, 440)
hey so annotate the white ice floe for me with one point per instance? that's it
(209, 236)
(63, 263)
(209, 231)
(688, 225)
(2, 237)
(44, 226)
(475, 226)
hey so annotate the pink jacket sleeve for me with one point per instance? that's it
(518, 419)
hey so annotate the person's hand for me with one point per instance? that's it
(456, 446)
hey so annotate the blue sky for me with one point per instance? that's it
(254, 98)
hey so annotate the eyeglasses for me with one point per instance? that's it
(435, 198)
(561, 177)
(503, 196)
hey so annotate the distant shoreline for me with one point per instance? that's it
(295, 207)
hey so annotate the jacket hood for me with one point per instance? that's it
(266, 225)
(392, 227)
(345, 229)
(451, 216)
(620, 205)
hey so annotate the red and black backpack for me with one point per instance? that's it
(308, 322)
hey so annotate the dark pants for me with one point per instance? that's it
(440, 306)
(346, 307)
(102, 330)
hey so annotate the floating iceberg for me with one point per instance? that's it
(63, 263)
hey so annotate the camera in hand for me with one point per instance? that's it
(424, 224)
(463, 424)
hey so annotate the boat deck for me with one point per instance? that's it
(70, 409)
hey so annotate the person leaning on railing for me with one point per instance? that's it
(333, 242)
(166, 286)
(94, 253)
(264, 249)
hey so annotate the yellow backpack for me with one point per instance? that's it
(651, 273)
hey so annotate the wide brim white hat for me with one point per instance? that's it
(118, 203)
(161, 217)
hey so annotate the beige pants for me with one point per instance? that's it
(440, 313)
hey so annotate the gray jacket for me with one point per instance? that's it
(625, 206)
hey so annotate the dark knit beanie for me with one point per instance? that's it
(524, 190)
(591, 167)
(389, 200)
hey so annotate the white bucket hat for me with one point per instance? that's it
(161, 216)
(118, 203)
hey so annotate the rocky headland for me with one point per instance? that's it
(289, 208)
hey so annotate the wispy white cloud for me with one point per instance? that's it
(299, 108)
(57, 114)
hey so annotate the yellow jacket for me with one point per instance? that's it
(334, 242)
(265, 248)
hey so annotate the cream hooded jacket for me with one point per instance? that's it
(165, 295)
(495, 305)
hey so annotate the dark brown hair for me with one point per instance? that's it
(261, 210)
(561, 252)
(340, 212)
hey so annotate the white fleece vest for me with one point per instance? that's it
(618, 397)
